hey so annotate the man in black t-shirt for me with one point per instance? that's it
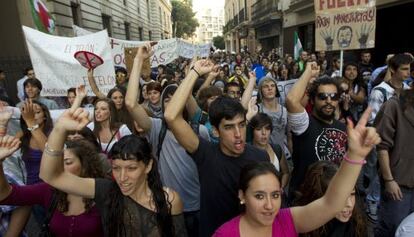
(318, 136)
(219, 165)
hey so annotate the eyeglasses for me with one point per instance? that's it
(324, 96)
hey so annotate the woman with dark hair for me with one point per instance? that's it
(284, 73)
(36, 124)
(273, 71)
(105, 127)
(154, 90)
(349, 222)
(134, 203)
(357, 90)
(71, 95)
(261, 126)
(73, 215)
(260, 193)
(117, 95)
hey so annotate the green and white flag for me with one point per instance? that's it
(298, 46)
(42, 18)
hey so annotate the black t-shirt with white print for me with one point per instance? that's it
(314, 140)
(219, 178)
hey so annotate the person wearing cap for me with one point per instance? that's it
(269, 104)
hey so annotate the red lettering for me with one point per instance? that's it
(331, 4)
(341, 3)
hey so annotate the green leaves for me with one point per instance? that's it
(183, 19)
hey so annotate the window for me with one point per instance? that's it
(76, 13)
(162, 36)
(159, 9)
(140, 32)
(125, 2)
(106, 22)
(148, 9)
(150, 35)
(127, 31)
(139, 7)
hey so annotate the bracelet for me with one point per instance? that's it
(388, 180)
(354, 162)
(192, 68)
(51, 152)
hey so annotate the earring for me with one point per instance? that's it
(241, 202)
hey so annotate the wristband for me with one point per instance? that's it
(32, 128)
(51, 152)
(388, 180)
(354, 162)
(192, 68)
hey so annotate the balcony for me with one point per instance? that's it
(228, 27)
(242, 16)
(264, 10)
(236, 20)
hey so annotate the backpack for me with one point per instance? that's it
(163, 132)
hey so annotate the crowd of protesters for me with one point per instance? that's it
(214, 147)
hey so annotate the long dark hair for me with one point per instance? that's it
(317, 180)
(27, 135)
(122, 115)
(133, 147)
(91, 168)
(112, 117)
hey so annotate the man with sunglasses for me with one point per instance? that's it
(316, 136)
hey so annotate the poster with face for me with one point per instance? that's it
(344, 24)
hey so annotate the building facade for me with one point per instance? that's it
(239, 34)
(211, 22)
(124, 19)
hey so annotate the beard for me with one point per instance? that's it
(324, 115)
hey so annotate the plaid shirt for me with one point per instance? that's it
(376, 98)
(15, 173)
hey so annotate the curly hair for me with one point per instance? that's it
(91, 168)
(322, 81)
(317, 179)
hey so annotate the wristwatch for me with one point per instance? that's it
(32, 128)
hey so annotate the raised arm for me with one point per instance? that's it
(136, 110)
(28, 114)
(247, 94)
(8, 145)
(210, 77)
(173, 112)
(51, 166)
(361, 140)
(80, 95)
(93, 85)
(295, 95)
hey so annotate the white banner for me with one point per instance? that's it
(165, 51)
(55, 66)
(284, 88)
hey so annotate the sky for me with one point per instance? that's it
(199, 4)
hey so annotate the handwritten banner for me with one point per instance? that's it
(284, 88)
(165, 51)
(55, 66)
(344, 24)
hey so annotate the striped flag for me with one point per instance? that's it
(41, 17)
(298, 46)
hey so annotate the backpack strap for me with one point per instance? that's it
(277, 149)
(50, 211)
(383, 92)
(161, 137)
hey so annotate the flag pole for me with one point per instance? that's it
(341, 57)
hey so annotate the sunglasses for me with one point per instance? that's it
(324, 96)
